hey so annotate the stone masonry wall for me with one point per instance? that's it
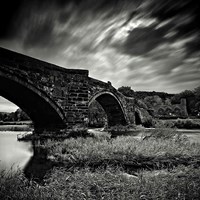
(68, 88)
(128, 104)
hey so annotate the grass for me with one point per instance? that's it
(152, 152)
(114, 184)
(163, 165)
(179, 183)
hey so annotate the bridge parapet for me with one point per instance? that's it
(52, 79)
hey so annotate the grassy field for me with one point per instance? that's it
(156, 151)
(163, 165)
(179, 183)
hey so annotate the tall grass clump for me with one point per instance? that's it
(15, 186)
(180, 183)
(124, 150)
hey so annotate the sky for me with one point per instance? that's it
(149, 45)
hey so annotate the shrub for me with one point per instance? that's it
(188, 124)
(180, 123)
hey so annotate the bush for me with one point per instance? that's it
(180, 123)
(187, 124)
(148, 122)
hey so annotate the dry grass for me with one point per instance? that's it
(179, 183)
(123, 150)
(112, 182)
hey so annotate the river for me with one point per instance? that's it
(13, 153)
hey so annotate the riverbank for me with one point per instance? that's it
(162, 149)
(15, 128)
(125, 167)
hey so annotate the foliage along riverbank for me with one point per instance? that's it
(178, 123)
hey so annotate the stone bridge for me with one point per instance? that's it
(56, 98)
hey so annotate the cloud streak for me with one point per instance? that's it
(148, 45)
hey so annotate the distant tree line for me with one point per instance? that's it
(18, 115)
(192, 99)
(149, 100)
(129, 92)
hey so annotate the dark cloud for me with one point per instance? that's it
(8, 12)
(142, 42)
(41, 35)
(184, 15)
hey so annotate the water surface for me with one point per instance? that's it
(13, 153)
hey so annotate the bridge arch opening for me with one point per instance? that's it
(96, 114)
(138, 120)
(177, 111)
(9, 112)
(41, 110)
(168, 111)
(112, 108)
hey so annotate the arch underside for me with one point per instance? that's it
(112, 108)
(43, 115)
(138, 120)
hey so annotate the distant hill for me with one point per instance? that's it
(129, 92)
(143, 94)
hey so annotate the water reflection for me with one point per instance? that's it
(38, 165)
(24, 155)
(13, 153)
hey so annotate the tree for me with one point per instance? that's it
(168, 102)
(126, 91)
(140, 103)
(20, 115)
(197, 93)
(185, 94)
(152, 101)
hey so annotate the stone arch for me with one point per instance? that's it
(161, 111)
(42, 110)
(138, 119)
(112, 107)
(168, 111)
